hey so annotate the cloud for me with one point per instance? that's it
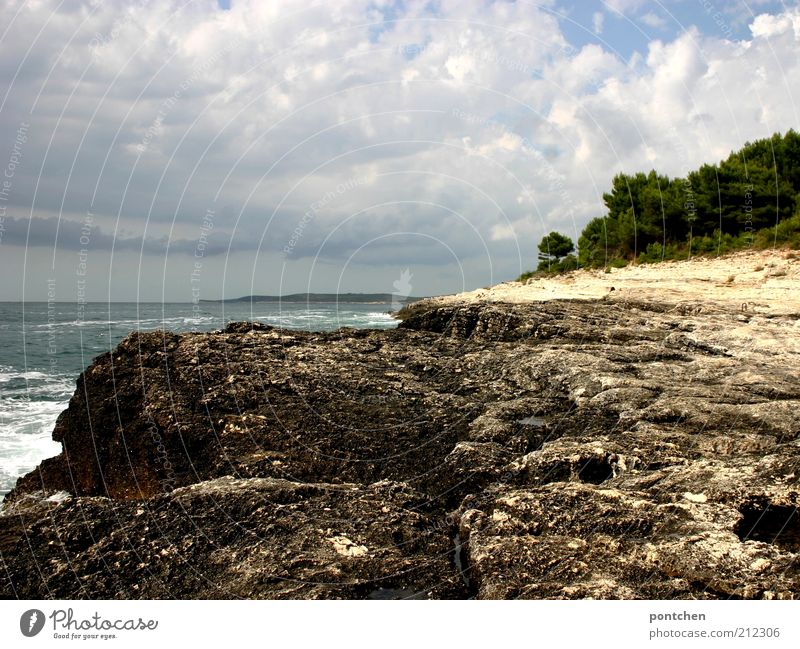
(75, 236)
(474, 126)
(597, 22)
(624, 6)
(766, 25)
(653, 20)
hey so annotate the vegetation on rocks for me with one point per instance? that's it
(750, 200)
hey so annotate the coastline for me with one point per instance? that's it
(765, 280)
(634, 443)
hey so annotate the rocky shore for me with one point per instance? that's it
(610, 445)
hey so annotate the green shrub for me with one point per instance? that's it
(653, 254)
(786, 232)
(556, 245)
(570, 262)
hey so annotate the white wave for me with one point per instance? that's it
(6, 377)
(28, 413)
(20, 454)
(26, 429)
(34, 383)
(58, 497)
(140, 323)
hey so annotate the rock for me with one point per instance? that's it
(575, 540)
(564, 449)
(235, 538)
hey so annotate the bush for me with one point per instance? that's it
(556, 245)
(570, 262)
(653, 254)
(786, 232)
(704, 245)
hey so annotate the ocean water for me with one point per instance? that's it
(44, 347)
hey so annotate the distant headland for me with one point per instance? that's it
(319, 298)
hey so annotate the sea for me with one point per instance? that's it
(44, 346)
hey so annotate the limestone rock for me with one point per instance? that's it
(563, 449)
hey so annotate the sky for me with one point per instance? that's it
(200, 149)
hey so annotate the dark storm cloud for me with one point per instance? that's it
(67, 235)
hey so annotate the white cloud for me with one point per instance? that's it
(478, 129)
(460, 66)
(597, 22)
(766, 25)
(502, 231)
(624, 6)
(653, 20)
